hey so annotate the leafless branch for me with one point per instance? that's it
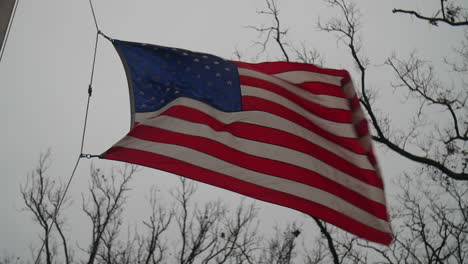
(275, 31)
(448, 13)
(158, 223)
(307, 55)
(42, 196)
(105, 207)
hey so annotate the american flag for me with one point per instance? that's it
(291, 134)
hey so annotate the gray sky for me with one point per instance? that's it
(46, 68)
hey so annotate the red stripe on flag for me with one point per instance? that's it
(332, 114)
(371, 157)
(283, 66)
(346, 78)
(355, 105)
(255, 191)
(362, 129)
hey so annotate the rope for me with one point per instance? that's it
(81, 155)
(8, 30)
(94, 15)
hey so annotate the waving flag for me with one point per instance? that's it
(292, 134)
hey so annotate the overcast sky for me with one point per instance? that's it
(46, 68)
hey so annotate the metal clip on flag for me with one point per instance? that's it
(291, 134)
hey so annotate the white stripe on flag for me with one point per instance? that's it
(298, 77)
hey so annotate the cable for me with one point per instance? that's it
(94, 15)
(81, 155)
(8, 30)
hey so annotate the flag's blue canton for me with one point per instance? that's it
(160, 74)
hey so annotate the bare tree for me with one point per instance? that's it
(104, 208)
(430, 223)
(305, 54)
(211, 234)
(42, 196)
(151, 247)
(345, 248)
(281, 248)
(207, 233)
(274, 31)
